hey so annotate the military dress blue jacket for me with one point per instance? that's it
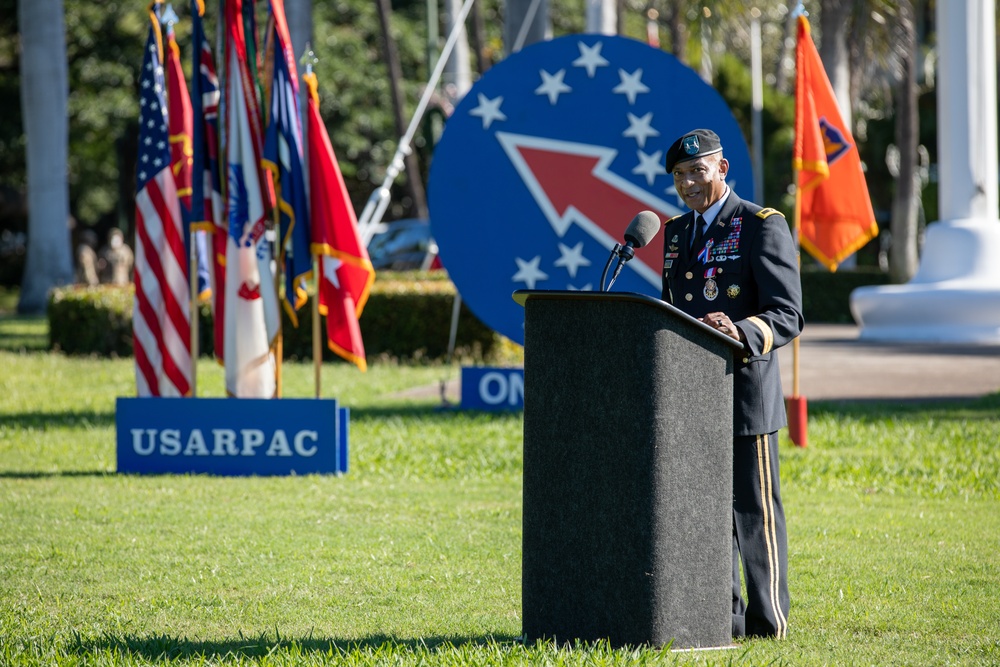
(747, 268)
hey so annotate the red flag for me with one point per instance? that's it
(179, 121)
(161, 323)
(836, 217)
(345, 271)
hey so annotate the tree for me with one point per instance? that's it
(414, 180)
(526, 22)
(903, 256)
(834, 51)
(44, 93)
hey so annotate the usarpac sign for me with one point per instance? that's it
(230, 436)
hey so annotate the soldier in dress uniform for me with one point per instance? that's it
(733, 265)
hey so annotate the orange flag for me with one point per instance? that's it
(835, 211)
(345, 271)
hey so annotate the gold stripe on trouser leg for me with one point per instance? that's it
(770, 530)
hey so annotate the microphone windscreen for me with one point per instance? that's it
(642, 229)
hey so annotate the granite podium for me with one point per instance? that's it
(627, 519)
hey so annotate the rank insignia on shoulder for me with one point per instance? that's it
(767, 212)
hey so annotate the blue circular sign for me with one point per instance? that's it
(548, 158)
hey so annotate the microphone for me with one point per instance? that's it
(639, 233)
(642, 229)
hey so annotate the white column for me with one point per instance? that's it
(967, 110)
(458, 71)
(955, 295)
(601, 17)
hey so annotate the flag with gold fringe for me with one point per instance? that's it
(283, 157)
(835, 211)
(345, 270)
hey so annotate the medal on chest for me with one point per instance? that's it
(711, 291)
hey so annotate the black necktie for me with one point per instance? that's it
(699, 232)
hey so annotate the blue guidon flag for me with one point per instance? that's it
(548, 158)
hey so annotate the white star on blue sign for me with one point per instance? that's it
(552, 85)
(488, 110)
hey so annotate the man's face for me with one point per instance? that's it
(702, 181)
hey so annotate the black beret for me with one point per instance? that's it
(694, 144)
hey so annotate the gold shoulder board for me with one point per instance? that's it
(767, 212)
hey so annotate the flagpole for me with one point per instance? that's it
(193, 291)
(279, 275)
(278, 346)
(309, 59)
(317, 349)
(796, 405)
(798, 420)
(796, 222)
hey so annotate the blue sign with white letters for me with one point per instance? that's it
(551, 154)
(491, 389)
(228, 436)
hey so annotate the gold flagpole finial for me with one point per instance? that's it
(169, 16)
(308, 58)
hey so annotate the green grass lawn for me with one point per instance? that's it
(413, 557)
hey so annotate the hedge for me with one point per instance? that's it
(407, 318)
(826, 297)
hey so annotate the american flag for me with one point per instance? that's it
(160, 322)
(283, 156)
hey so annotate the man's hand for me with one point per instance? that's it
(721, 322)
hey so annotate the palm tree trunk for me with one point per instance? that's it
(903, 257)
(601, 17)
(44, 92)
(458, 70)
(414, 179)
(678, 30)
(835, 23)
(525, 22)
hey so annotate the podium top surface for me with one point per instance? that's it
(523, 296)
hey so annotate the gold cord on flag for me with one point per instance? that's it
(154, 19)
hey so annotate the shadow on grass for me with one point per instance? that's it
(987, 407)
(23, 333)
(91, 418)
(164, 647)
(55, 420)
(432, 411)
